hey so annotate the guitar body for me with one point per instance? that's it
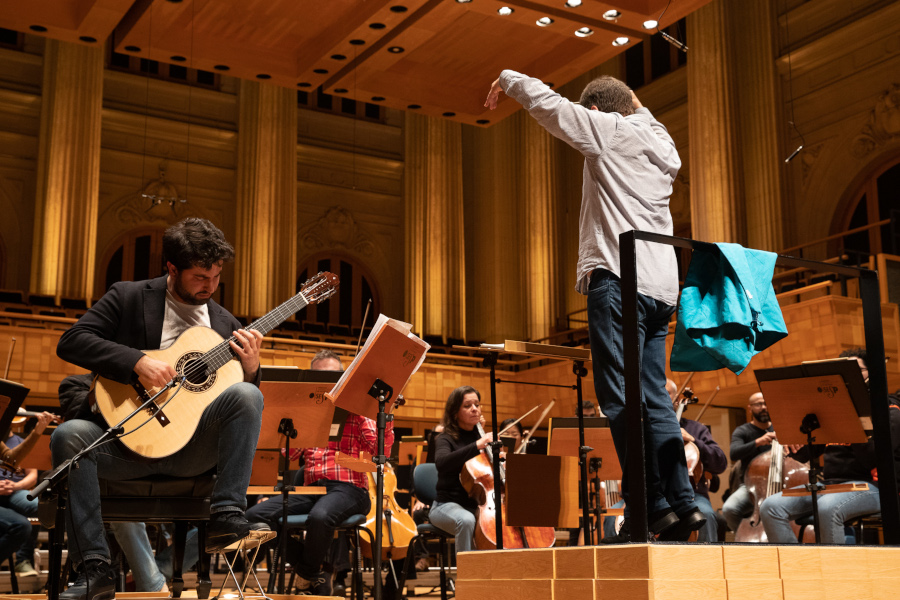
(168, 432)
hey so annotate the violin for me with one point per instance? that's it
(477, 478)
(691, 451)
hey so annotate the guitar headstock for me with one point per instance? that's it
(320, 287)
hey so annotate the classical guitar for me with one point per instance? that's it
(208, 366)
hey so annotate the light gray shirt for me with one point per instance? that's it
(629, 166)
(181, 316)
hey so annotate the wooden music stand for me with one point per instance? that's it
(294, 396)
(541, 491)
(410, 449)
(12, 395)
(828, 398)
(578, 356)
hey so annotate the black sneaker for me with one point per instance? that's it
(96, 577)
(660, 521)
(226, 528)
(321, 585)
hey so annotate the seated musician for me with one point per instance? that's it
(844, 463)
(453, 510)
(347, 491)
(747, 442)
(15, 508)
(109, 339)
(712, 457)
(515, 432)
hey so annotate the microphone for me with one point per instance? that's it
(673, 41)
(794, 154)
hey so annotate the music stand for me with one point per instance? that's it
(541, 491)
(12, 395)
(295, 396)
(564, 440)
(825, 397)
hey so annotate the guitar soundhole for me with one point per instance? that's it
(198, 377)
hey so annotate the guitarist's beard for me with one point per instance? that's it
(186, 297)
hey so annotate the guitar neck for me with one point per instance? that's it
(223, 353)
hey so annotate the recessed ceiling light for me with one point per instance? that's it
(132, 49)
(395, 49)
(177, 58)
(304, 84)
(584, 32)
(504, 11)
(264, 76)
(38, 28)
(413, 106)
(482, 121)
(87, 38)
(377, 25)
(377, 98)
(338, 57)
(321, 71)
(398, 9)
(221, 67)
(463, 1)
(620, 41)
(573, 3)
(651, 24)
(544, 21)
(611, 14)
(449, 114)
(357, 42)
(340, 90)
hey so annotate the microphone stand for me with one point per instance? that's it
(52, 480)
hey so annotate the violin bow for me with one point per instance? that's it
(513, 424)
(521, 448)
(684, 385)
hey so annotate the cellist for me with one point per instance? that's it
(453, 510)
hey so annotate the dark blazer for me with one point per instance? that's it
(110, 337)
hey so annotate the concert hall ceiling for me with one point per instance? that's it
(437, 57)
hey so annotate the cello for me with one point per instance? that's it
(477, 478)
(768, 474)
(397, 524)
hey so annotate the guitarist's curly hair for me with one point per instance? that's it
(195, 242)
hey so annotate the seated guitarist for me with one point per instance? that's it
(109, 339)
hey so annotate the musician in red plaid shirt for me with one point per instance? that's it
(347, 491)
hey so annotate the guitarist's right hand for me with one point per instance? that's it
(153, 373)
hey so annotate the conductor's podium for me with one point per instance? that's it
(681, 572)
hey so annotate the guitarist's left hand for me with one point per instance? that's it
(248, 351)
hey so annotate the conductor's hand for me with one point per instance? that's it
(493, 95)
(153, 373)
(766, 438)
(635, 102)
(484, 441)
(250, 341)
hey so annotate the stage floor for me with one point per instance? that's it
(682, 572)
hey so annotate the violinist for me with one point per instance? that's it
(844, 463)
(747, 442)
(453, 510)
(513, 431)
(15, 508)
(712, 457)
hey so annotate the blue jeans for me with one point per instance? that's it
(456, 519)
(778, 511)
(151, 573)
(668, 484)
(341, 501)
(738, 506)
(225, 439)
(15, 530)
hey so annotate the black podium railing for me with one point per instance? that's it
(872, 325)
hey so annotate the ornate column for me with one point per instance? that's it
(266, 240)
(752, 25)
(434, 231)
(68, 171)
(716, 204)
(538, 228)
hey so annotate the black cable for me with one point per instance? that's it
(672, 40)
(787, 33)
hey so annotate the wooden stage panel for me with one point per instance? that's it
(681, 571)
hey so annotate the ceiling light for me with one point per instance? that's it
(650, 24)
(395, 49)
(544, 21)
(620, 41)
(573, 3)
(504, 10)
(584, 32)
(463, 1)
(611, 15)
(132, 48)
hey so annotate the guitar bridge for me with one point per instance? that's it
(153, 408)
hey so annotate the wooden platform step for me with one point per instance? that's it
(681, 571)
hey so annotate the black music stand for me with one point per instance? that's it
(296, 395)
(825, 397)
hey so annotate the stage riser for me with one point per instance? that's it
(680, 571)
